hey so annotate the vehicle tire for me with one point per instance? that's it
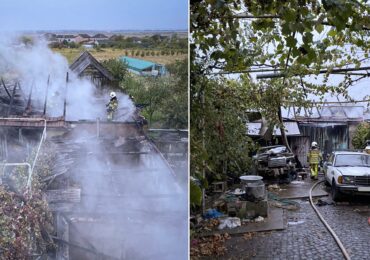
(327, 184)
(335, 193)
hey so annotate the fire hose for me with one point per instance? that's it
(331, 231)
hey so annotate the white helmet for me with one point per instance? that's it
(314, 144)
(113, 94)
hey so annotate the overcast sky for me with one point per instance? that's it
(20, 15)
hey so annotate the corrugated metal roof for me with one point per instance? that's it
(291, 128)
(330, 113)
(137, 64)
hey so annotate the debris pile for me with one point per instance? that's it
(209, 246)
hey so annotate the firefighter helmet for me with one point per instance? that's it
(314, 144)
(367, 149)
(113, 94)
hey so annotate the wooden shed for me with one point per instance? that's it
(87, 66)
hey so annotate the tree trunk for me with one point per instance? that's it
(282, 130)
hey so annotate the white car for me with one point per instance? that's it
(348, 173)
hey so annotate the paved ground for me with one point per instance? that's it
(306, 237)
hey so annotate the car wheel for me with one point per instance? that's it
(335, 193)
(327, 184)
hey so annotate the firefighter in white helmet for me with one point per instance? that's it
(367, 149)
(314, 157)
(112, 105)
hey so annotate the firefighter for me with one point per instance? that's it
(314, 157)
(112, 105)
(367, 149)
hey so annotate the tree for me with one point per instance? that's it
(116, 67)
(175, 108)
(361, 135)
(292, 38)
(149, 93)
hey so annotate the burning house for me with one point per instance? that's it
(111, 191)
(331, 126)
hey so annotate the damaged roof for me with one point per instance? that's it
(291, 128)
(86, 60)
(337, 113)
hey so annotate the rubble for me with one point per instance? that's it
(210, 246)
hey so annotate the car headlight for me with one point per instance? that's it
(348, 179)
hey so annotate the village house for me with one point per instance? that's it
(143, 67)
(82, 38)
(331, 126)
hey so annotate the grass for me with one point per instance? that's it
(110, 53)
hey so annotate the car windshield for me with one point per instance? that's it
(348, 160)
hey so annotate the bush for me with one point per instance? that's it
(360, 136)
(116, 67)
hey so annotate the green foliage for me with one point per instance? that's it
(164, 99)
(26, 222)
(361, 135)
(97, 47)
(116, 67)
(176, 107)
(219, 143)
(195, 194)
(295, 37)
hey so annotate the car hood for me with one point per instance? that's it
(354, 171)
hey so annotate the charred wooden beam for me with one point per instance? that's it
(28, 107)
(7, 91)
(104, 256)
(65, 97)
(46, 95)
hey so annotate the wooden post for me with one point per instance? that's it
(12, 99)
(46, 94)
(65, 98)
(28, 107)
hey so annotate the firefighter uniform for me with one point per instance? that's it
(314, 157)
(112, 106)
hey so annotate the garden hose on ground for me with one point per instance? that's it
(344, 251)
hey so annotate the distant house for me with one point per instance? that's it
(82, 38)
(50, 37)
(99, 37)
(66, 37)
(143, 67)
(135, 39)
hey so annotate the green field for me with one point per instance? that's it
(110, 53)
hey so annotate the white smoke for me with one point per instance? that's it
(134, 207)
(34, 65)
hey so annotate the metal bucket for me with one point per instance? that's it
(250, 178)
(254, 187)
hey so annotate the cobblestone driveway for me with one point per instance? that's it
(306, 237)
